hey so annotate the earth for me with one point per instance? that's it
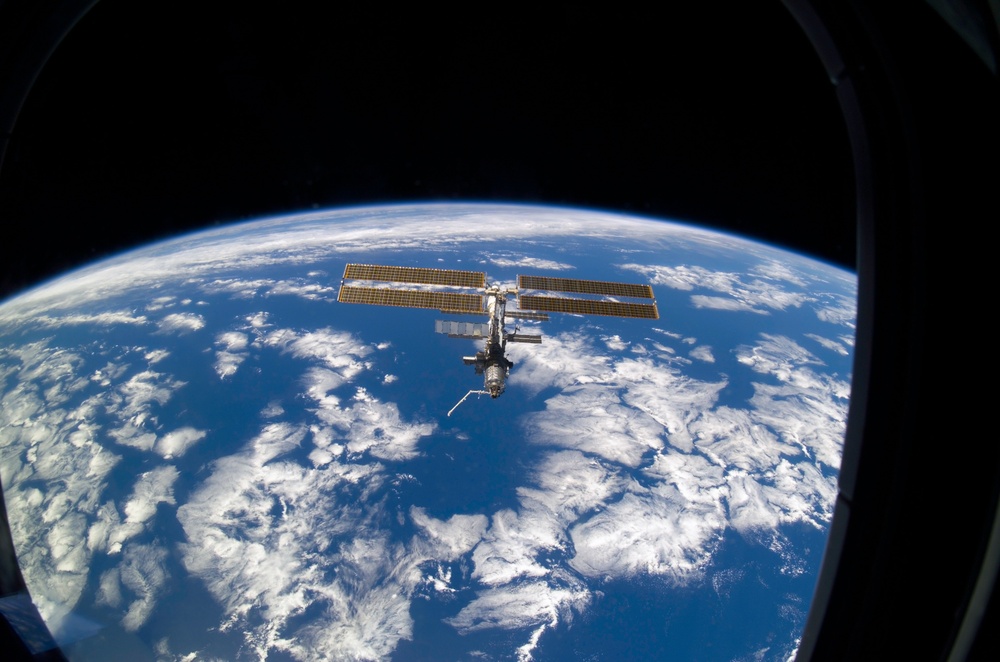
(205, 455)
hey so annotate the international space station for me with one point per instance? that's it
(457, 292)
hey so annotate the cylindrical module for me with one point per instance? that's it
(495, 377)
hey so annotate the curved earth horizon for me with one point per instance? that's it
(204, 455)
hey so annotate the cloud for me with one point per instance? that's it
(240, 288)
(530, 263)
(687, 278)
(451, 538)
(637, 469)
(232, 341)
(565, 359)
(109, 589)
(667, 396)
(775, 355)
(614, 343)
(232, 352)
(567, 485)
(110, 318)
(770, 285)
(153, 487)
(60, 529)
(366, 425)
(109, 532)
(810, 413)
(702, 353)
(159, 303)
(156, 355)
(227, 363)
(830, 344)
(839, 309)
(143, 572)
(109, 373)
(338, 350)
(181, 323)
(245, 288)
(779, 270)
(541, 605)
(648, 534)
(134, 437)
(135, 398)
(724, 303)
(375, 427)
(510, 547)
(524, 605)
(44, 443)
(593, 419)
(272, 410)
(271, 538)
(176, 443)
(304, 289)
(164, 653)
(322, 236)
(720, 467)
(135, 404)
(770, 295)
(258, 321)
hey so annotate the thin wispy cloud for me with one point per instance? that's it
(769, 286)
(829, 343)
(541, 264)
(159, 303)
(839, 309)
(779, 271)
(725, 303)
(111, 318)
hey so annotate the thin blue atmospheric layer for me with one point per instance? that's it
(205, 454)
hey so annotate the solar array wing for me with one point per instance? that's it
(475, 331)
(588, 307)
(526, 315)
(585, 286)
(383, 296)
(525, 338)
(422, 275)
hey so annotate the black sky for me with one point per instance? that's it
(154, 119)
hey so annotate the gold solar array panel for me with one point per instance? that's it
(585, 286)
(589, 307)
(421, 275)
(443, 301)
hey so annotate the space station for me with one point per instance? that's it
(457, 292)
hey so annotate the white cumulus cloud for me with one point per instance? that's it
(181, 323)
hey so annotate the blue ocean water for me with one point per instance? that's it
(749, 604)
